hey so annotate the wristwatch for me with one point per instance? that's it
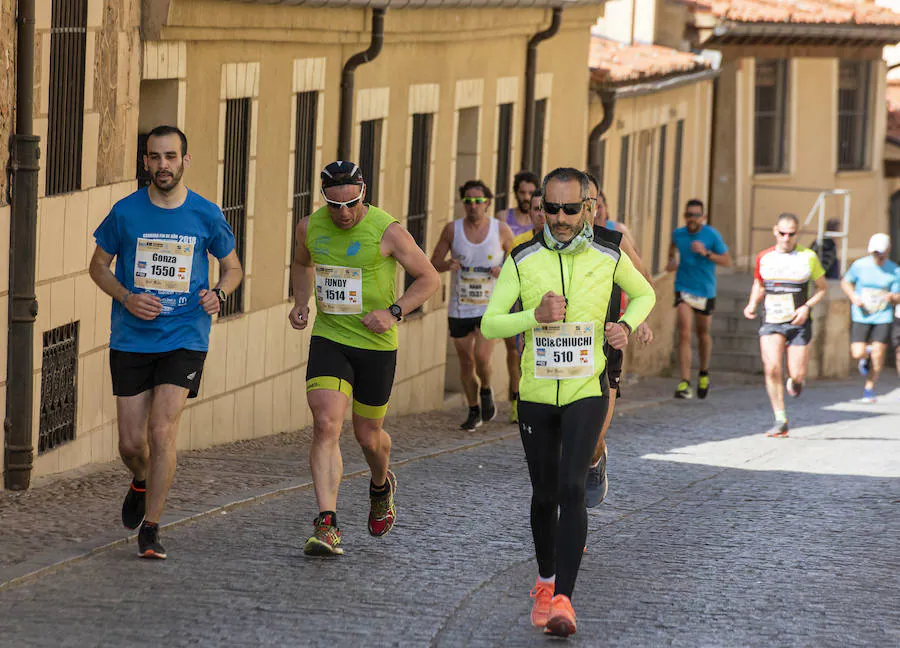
(221, 295)
(626, 325)
(396, 311)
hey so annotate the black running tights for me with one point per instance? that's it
(559, 442)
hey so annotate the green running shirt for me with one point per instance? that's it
(352, 278)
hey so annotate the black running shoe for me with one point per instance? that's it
(488, 409)
(703, 386)
(597, 484)
(133, 507)
(148, 542)
(473, 421)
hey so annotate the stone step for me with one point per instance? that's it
(723, 324)
(740, 343)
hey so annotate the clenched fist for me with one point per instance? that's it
(551, 309)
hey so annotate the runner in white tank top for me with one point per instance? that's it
(476, 246)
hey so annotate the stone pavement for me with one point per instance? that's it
(712, 535)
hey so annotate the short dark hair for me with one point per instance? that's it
(568, 174)
(475, 184)
(832, 225)
(695, 202)
(787, 216)
(538, 193)
(525, 176)
(596, 183)
(163, 130)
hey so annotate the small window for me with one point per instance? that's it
(660, 183)
(623, 177)
(853, 114)
(504, 155)
(59, 387)
(676, 173)
(540, 125)
(65, 127)
(597, 160)
(370, 156)
(304, 162)
(770, 116)
(419, 176)
(234, 190)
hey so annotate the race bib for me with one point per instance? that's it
(474, 288)
(339, 289)
(779, 308)
(564, 350)
(874, 299)
(694, 301)
(163, 265)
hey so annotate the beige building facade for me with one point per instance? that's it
(257, 90)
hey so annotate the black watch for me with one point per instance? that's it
(626, 325)
(396, 311)
(221, 295)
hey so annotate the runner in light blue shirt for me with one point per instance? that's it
(873, 285)
(694, 253)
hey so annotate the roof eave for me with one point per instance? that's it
(731, 31)
(645, 86)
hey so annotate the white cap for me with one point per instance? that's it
(879, 243)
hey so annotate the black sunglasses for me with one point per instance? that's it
(571, 208)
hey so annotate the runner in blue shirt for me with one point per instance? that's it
(873, 285)
(699, 249)
(161, 315)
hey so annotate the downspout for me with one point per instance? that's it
(22, 195)
(608, 101)
(530, 74)
(345, 126)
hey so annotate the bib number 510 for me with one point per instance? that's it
(564, 356)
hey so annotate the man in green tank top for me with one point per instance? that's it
(347, 252)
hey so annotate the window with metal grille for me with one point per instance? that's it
(59, 387)
(540, 124)
(676, 173)
(853, 114)
(419, 175)
(770, 116)
(370, 156)
(597, 160)
(304, 162)
(141, 174)
(504, 155)
(660, 184)
(68, 39)
(234, 189)
(624, 155)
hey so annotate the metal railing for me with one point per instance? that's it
(817, 211)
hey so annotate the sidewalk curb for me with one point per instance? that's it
(13, 579)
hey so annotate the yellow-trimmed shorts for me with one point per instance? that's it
(365, 375)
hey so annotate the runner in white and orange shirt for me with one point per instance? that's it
(782, 276)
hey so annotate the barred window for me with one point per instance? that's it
(540, 125)
(370, 156)
(304, 162)
(854, 85)
(770, 116)
(68, 40)
(419, 176)
(676, 174)
(624, 157)
(660, 183)
(59, 387)
(504, 155)
(234, 189)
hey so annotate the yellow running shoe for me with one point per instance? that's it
(514, 412)
(326, 539)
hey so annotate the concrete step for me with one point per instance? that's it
(731, 324)
(741, 362)
(740, 343)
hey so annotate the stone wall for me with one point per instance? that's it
(7, 84)
(655, 359)
(829, 356)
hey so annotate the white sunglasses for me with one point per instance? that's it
(350, 203)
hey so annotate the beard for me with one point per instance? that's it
(169, 180)
(524, 206)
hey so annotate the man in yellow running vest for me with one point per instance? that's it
(348, 252)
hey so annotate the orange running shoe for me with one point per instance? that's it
(562, 617)
(540, 611)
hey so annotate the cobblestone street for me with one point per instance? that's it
(712, 535)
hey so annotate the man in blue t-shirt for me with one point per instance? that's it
(873, 285)
(695, 251)
(160, 237)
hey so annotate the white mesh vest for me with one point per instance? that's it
(471, 286)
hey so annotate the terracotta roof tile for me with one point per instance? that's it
(614, 63)
(809, 12)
